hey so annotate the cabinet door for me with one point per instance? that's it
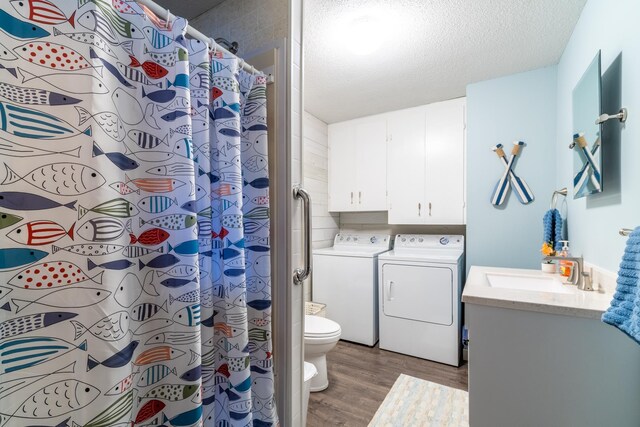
(371, 143)
(406, 166)
(342, 167)
(445, 136)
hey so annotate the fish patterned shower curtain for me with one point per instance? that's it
(116, 283)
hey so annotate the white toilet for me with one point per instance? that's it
(320, 336)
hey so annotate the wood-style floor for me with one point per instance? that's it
(360, 378)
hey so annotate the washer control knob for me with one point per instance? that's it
(444, 241)
(373, 239)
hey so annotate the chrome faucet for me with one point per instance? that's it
(579, 277)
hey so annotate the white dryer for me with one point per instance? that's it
(345, 278)
(420, 286)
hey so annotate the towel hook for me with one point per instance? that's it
(554, 197)
(625, 231)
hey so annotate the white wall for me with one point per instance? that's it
(254, 24)
(594, 221)
(316, 181)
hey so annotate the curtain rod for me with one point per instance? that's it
(167, 15)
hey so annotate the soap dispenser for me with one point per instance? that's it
(565, 265)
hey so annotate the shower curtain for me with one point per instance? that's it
(134, 229)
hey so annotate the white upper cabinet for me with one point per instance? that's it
(426, 164)
(410, 162)
(406, 166)
(358, 165)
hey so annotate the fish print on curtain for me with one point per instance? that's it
(100, 312)
(241, 389)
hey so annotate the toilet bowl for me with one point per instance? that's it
(310, 371)
(320, 336)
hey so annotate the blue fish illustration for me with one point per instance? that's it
(185, 248)
(208, 322)
(192, 374)
(234, 272)
(255, 128)
(243, 386)
(33, 351)
(186, 418)
(175, 282)
(258, 248)
(161, 261)
(174, 115)
(190, 206)
(20, 29)
(30, 202)
(157, 39)
(30, 123)
(112, 69)
(229, 132)
(32, 322)
(258, 183)
(181, 80)
(118, 360)
(32, 96)
(118, 159)
(237, 244)
(259, 304)
(17, 257)
(223, 113)
(228, 253)
(121, 264)
(161, 96)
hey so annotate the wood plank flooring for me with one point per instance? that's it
(360, 378)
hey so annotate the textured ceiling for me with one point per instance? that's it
(431, 51)
(188, 8)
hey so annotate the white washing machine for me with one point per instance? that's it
(345, 277)
(420, 286)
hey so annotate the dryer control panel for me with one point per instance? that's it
(429, 241)
(362, 240)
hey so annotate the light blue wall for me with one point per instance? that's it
(516, 107)
(614, 28)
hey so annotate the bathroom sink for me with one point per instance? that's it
(527, 283)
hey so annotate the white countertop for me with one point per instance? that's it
(577, 303)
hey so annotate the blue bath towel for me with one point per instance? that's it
(552, 226)
(624, 312)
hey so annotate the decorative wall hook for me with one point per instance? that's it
(622, 116)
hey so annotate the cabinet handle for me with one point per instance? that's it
(419, 209)
(360, 197)
(429, 208)
(352, 197)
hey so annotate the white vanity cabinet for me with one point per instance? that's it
(426, 161)
(358, 165)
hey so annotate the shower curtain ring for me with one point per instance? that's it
(167, 21)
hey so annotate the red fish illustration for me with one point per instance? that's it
(148, 410)
(224, 370)
(41, 232)
(222, 234)
(158, 354)
(51, 274)
(154, 236)
(155, 185)
(124, 7)
(216, 93)
(150, 68)
(43, 12)
(53, 55)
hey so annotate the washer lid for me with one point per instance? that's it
(319, 326)
(354, 251)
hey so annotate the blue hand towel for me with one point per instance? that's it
(552, 228)
(624, 312)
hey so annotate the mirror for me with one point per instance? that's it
(587, 144)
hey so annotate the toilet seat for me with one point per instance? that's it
(316, 327)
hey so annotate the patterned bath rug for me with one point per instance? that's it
(419, 403)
